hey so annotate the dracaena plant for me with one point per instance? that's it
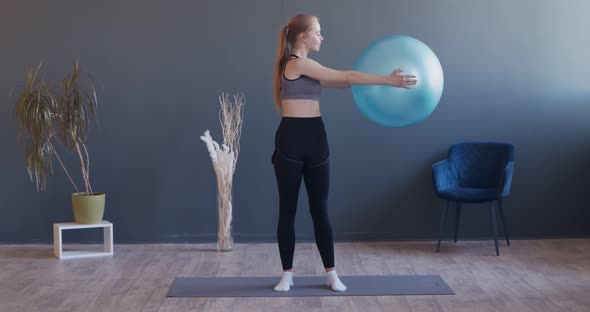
(56, 116)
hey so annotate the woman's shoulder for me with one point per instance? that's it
(301, 61)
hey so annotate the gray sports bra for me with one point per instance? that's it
(304, 87)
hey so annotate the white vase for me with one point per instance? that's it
(225, 239)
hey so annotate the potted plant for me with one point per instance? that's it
(224, 160)
(52, 117)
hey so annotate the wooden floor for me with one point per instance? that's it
(530, 275)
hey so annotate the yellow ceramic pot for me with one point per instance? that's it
(88, 209)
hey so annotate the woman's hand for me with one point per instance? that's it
(402, 81)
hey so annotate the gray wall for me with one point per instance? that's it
(515, 71)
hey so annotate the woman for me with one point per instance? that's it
(301, 146)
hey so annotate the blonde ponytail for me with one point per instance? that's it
(282, 55)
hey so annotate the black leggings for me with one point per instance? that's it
(301, 150)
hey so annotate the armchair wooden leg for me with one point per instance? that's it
(457, 220)
(504, 224)
(442, 225)
(494, 226)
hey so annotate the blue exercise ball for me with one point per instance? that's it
(392, 106)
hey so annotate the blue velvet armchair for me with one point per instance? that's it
(475, 172)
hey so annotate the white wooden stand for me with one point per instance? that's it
(58, 246)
